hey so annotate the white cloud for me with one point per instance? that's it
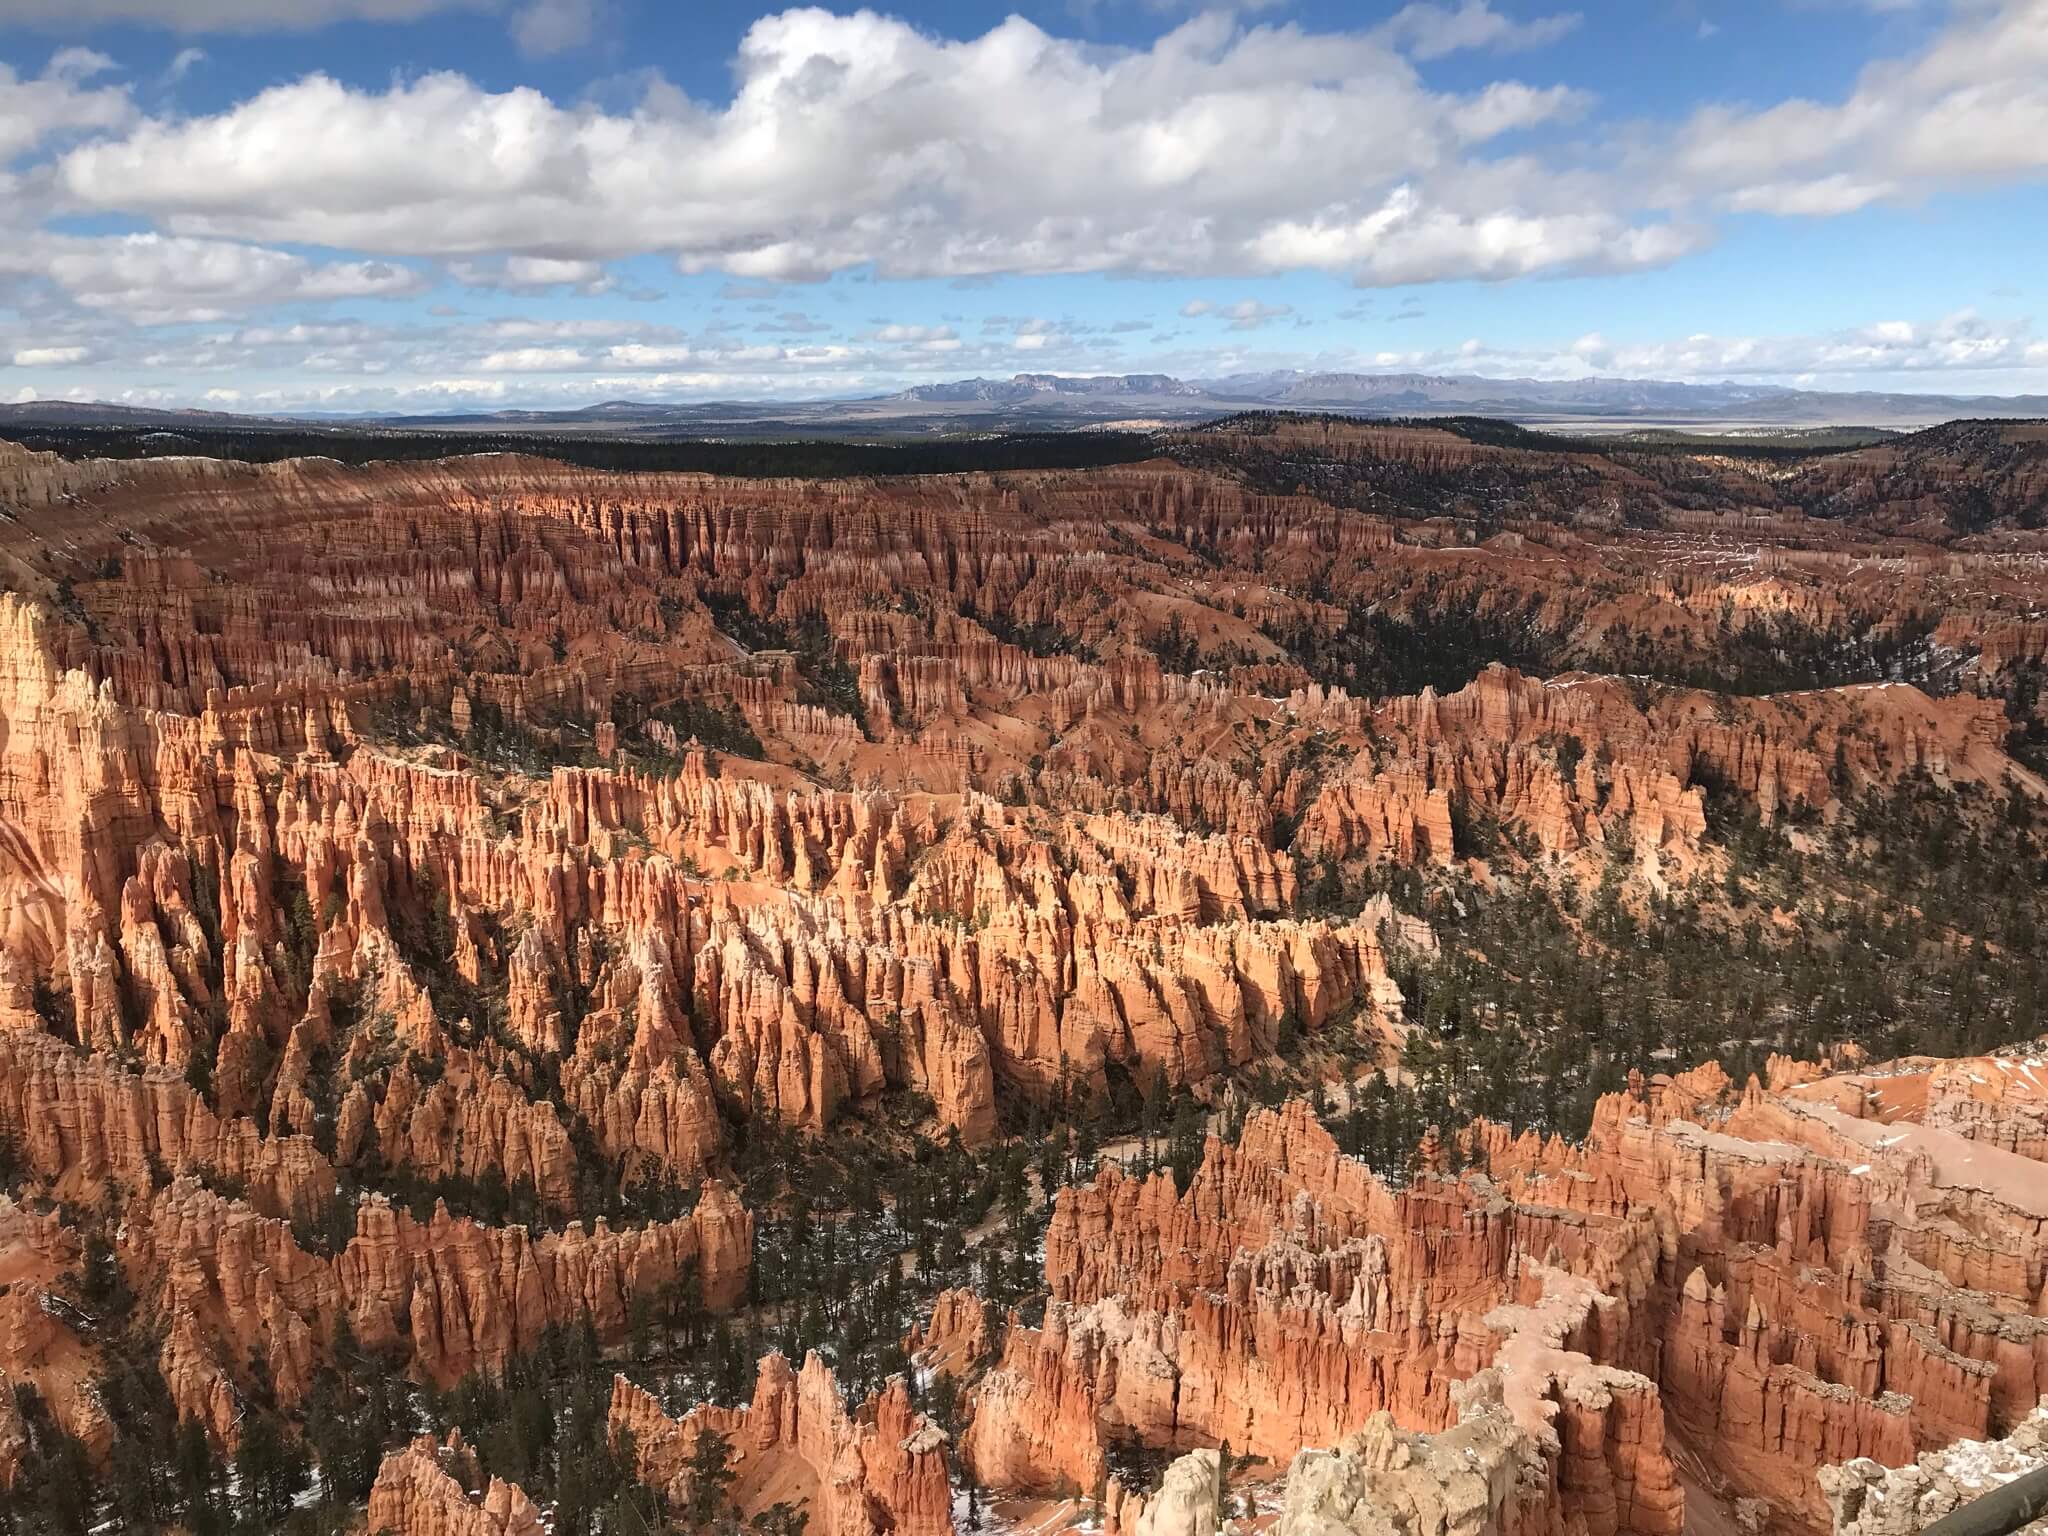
(554, 26)
(534, 360)
(910, 334)
(34, 112)
(1822, 197)
(50, 357)
(1029, 333)
(1405, 240)
(1431, 31)
(1250, 315)
(187, 60)
(857, 139)
(347, 365)
(1960, 344)
(1972, 104)
(1507, 105)
(525, 274)
(1245, 315)
(306, 334)
(519, 328)
(159, 279)
(641, 355)
(74, 64)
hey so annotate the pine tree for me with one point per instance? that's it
(710, 1479)
(1184, 1141)
(197, 1475)
(272, 1469)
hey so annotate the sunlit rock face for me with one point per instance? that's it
(402, 868)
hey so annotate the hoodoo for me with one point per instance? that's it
(1256, 988)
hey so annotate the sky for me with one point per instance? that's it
(430, 205)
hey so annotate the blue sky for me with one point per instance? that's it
(438, 204)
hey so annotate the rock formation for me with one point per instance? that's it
(417, 1495)
(401, 865)
(1189, 1501)
(1753, 1275)
(878, 1469)
(450, 1295)
(1867, 1498)
(358, 813)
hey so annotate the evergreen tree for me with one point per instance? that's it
(272, 1471)
(710, 1478)
(197, 1475)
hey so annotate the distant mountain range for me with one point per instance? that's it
(1028, 387)
(1630, 401)
(1052, 402)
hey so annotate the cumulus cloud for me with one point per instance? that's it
(1970, 105)
(1406, 240)
(163, 279)
(857, 139)
(34, 112)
